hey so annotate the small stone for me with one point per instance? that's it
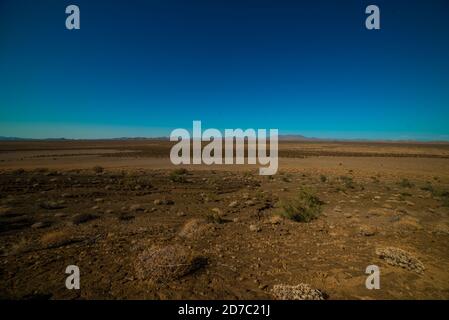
(233, 204)
(39, 225)
(136, 207)
(254, 228)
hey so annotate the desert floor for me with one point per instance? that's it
(140, 228)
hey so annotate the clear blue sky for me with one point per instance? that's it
(143, 68)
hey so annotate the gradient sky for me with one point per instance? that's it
(143, 68)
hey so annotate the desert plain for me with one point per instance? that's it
(139, 227)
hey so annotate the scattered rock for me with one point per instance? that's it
(254, 228)
(52, 205)
(83, 217)
(40, 225)
(276, 219)
(250, 203)
(136, 207)
(367, 231)
(233, 204)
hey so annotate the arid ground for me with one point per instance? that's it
(140, 228)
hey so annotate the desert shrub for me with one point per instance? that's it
(214, 217)
(181, 171)
(303, 208)
(323, 178)
(18, 171)
(178, 175)
(398, 257)
(194, 228)
(301, 291)
(405, 183)
(428, 187)
(55, 238)
(348, 182)
(83, 217)
(98, 169)
(165, 263)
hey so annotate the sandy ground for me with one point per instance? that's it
(137, 228)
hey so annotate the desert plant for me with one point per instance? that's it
(180, 171)
(214, 217)
(405, 183)
(98, 169)
(177, 178)
(348, 182)
(303, 208)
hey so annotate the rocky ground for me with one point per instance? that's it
(204, 234)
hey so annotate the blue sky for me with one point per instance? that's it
(143, 68)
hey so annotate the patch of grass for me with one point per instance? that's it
(214, 217)
(323, 178)
(305, 207)
(428, 187)
(178, 175)
(348, 182)
(375, 179)
(405, 183)
(98, 169)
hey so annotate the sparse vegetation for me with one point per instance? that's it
(303, 208)
(178, 175)
(160, 264)
(214, 217)
(348, 182)
(405, 183)
(323, 178)
(98, 169)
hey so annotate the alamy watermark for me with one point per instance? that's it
(212, 153)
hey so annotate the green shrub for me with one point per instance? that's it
(303, 208)
(178, 175)
(405, 183)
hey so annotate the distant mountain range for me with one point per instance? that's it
(287, 137)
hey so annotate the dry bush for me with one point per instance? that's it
(178, 175)
(405, 183)
(194, 228)
(301, 291)
(160, 264)
(55, 238)
(400, 258)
